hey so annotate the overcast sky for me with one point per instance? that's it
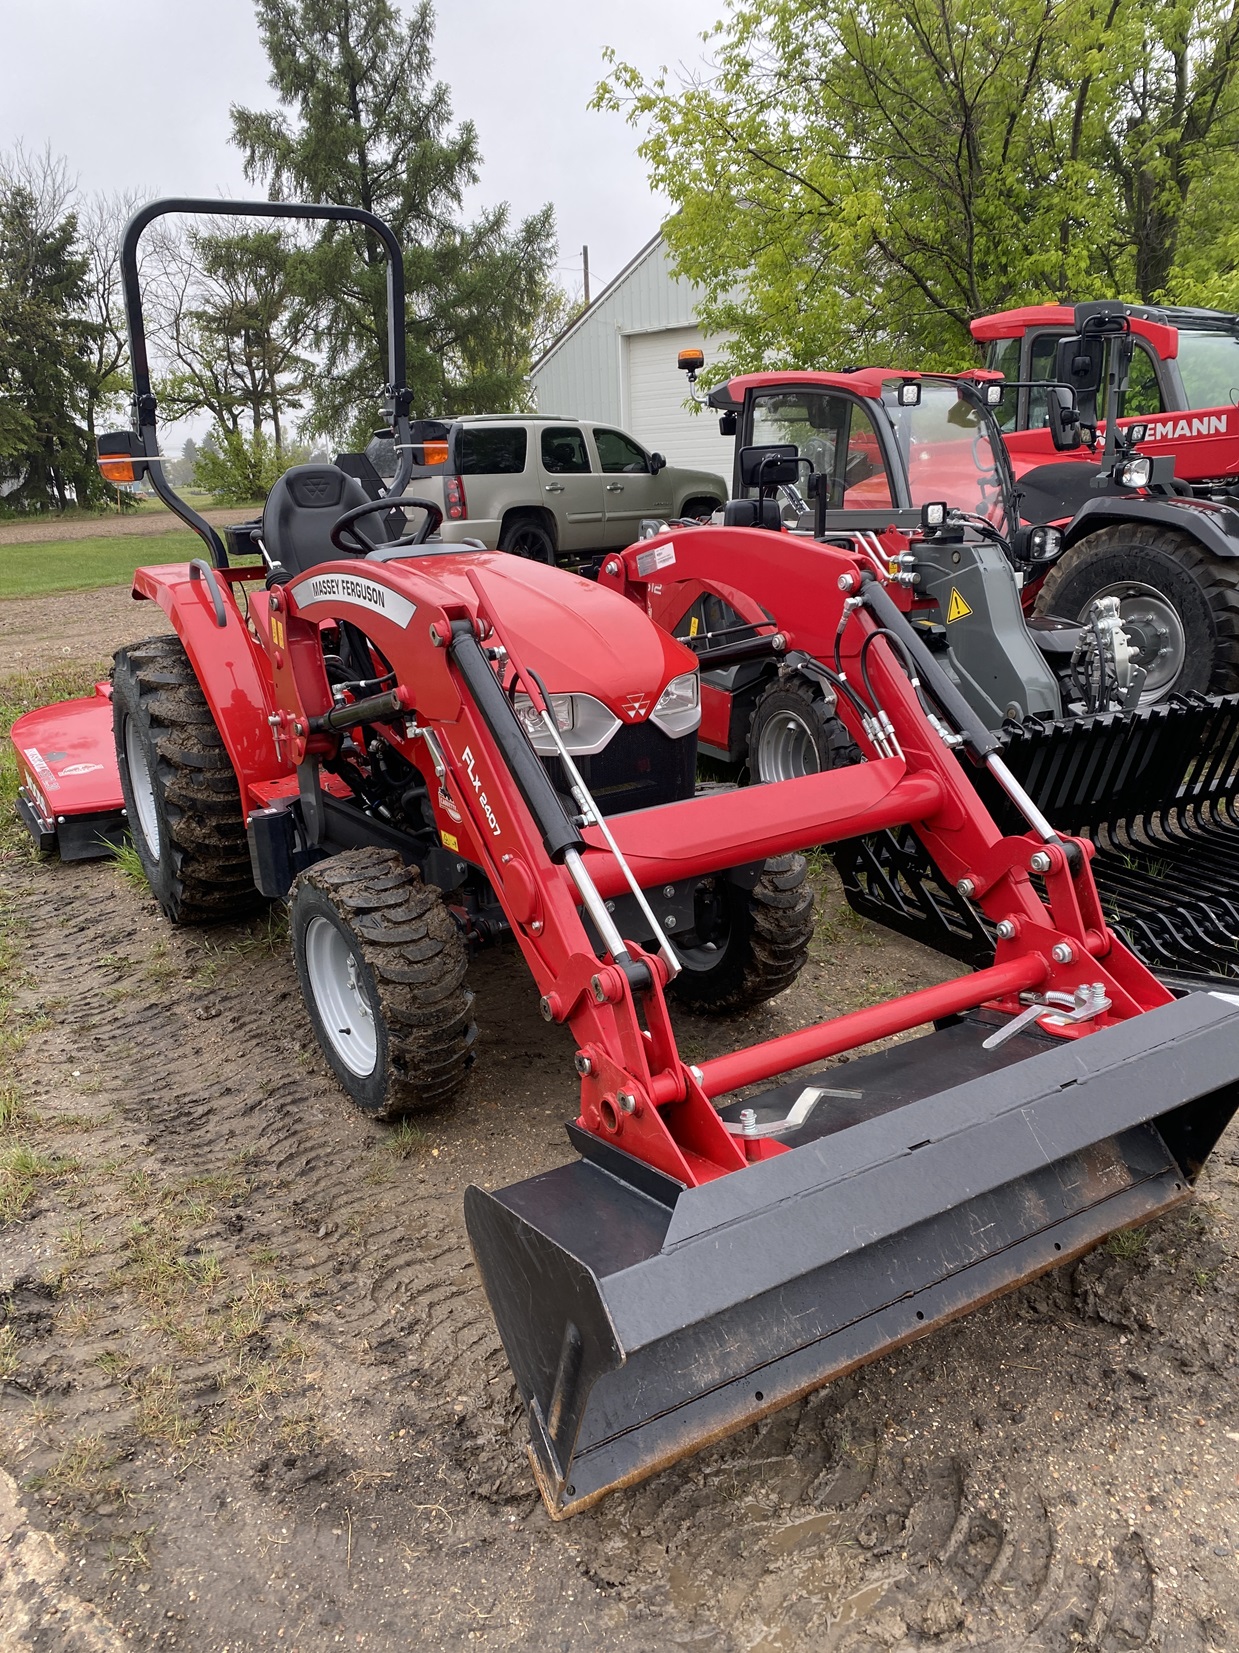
(136, 96)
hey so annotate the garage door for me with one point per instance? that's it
(656, 414)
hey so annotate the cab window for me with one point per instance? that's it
(619, 453)
(1143, 397)
(563, 451)
(836, 438)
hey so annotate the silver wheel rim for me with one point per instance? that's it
(1154, 626)
(343, 1005)
(142, 786)
(786, 749)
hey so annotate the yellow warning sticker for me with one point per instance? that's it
(450, 843)
(957, 608)
(693, 626)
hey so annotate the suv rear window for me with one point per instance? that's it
(481, 451)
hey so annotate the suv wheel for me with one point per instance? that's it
(527, 537)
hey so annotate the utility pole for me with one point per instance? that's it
(585, 264)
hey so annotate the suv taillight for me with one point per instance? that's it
(457, 507)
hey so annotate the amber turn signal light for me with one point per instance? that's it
(117, 469)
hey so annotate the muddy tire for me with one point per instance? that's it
(793, 733)
(1179, 603)
(382, 965)
(182, 797)
(753, 943)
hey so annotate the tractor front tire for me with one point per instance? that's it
(760, 939)
(182, 797)
(382, 965)
(792, 733)
(1179, 603)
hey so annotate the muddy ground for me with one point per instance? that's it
(253, 1398)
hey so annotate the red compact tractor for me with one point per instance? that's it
(424, 749)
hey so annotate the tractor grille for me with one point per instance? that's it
(1154, 790)
(637, 769)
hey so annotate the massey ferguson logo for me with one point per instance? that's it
(1170, 430)
(634, 706)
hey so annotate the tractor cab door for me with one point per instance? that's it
(1149, 387)
(835, 437)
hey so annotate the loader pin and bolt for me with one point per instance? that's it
(748, 1121)
(582, 1063)
(627, 1101)
(613, 567)
(544, 1007)
(669, 922)
(1005, 929)
(1061, 953)
(966, 888)
(1040, 862)
(846, 582)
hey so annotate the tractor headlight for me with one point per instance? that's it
(1135, 473)
(585, 724)
(678, 711)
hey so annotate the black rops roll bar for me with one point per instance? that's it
(396, 391)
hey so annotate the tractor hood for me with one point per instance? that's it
(578, 636)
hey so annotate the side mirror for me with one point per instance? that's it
(774, 466)
(657, 463)
(1065, 424)
(1080, 361)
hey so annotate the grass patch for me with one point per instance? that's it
(1128, 1243)
(22, 1169)
(129, 864)
(406, 1140)
(9, 1360)
(85, 565)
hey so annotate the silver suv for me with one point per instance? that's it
(540, 486)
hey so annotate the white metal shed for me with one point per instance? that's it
(616, 363)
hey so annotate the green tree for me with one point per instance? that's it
(46, 352)
(860, 181)
(240, 467)
(362, 121)
(229, 320)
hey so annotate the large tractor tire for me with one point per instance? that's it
(1179, 604)
(182, 797)
(749, 944)
(382, 968)
(793, 733)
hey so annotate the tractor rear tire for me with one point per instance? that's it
(791, 733)
(382, 965)
(182, 797)
(1182, 602)
(761, 946)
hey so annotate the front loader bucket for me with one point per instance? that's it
(643, 1319)
(1154, 790)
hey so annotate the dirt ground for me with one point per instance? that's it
(253, 1398)
(149, 521)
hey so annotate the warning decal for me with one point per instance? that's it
(957, 608)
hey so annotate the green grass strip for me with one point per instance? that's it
(84, 565)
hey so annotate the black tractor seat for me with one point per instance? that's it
(301, 511)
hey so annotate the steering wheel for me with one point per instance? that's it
(346, 536)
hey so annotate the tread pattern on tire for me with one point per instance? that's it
(206, 873)
(841, 748)
(418, 958)
(780, 928)
(1217, 578)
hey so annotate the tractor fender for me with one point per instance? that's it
(1214, 527)
(227, 662)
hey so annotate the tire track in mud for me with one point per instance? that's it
(213, 1076)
